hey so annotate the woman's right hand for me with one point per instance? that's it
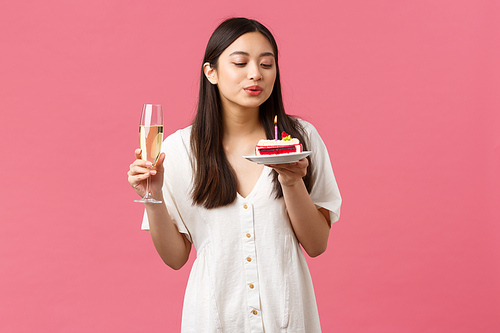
(141, 170)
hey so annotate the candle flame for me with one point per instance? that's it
(275, 119)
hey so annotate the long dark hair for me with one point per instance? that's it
(214, 178)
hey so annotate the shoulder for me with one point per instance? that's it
(177, 148)
(310, 131)
(314, 143)
(307, 126)
(177, 151)
(179, 135)
(180, 139)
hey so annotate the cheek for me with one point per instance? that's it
(228, 79)
(269, 92)
(271, 77)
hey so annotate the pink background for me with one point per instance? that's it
(405, 94)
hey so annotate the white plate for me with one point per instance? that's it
(277, 159)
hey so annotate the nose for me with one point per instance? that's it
(254, 73)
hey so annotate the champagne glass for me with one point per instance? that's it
(150, 139)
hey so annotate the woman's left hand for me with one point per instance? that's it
(291, 173)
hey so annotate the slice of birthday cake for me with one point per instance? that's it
(286, 145)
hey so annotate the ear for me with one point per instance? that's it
(210, 73)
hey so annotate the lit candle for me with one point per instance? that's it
(276, 128)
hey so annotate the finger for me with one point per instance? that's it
(138, 170)
(303, 162)
(139, 160)
(280, 165)
(140, 166)
(279, 168)
(300, 166)
(159, 162)
(291, 170)
(285, 167)
(138, 153)
(138, 178)
(300, 163)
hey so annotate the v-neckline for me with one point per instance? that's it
(254, 189)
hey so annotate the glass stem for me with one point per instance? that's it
(148, 195)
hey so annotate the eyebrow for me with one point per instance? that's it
(264, 54)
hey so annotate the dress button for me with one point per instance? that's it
(249, 259)
(254, 312)
(245, 206)
(248, 235)
(251, 286)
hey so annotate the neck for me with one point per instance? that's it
(240, 123)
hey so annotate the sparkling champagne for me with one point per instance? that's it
(150, 139)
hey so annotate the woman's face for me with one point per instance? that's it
(245, 73)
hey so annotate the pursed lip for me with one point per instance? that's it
(253, 90)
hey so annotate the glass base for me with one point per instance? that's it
(147, 199)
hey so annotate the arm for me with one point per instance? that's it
(311, 225)
(172, 246)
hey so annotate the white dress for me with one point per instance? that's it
(250, 274)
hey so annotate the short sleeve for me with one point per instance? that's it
(325, 192)
(175, 183)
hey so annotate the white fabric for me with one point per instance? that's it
(219, 297)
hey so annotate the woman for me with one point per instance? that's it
(245, 220)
